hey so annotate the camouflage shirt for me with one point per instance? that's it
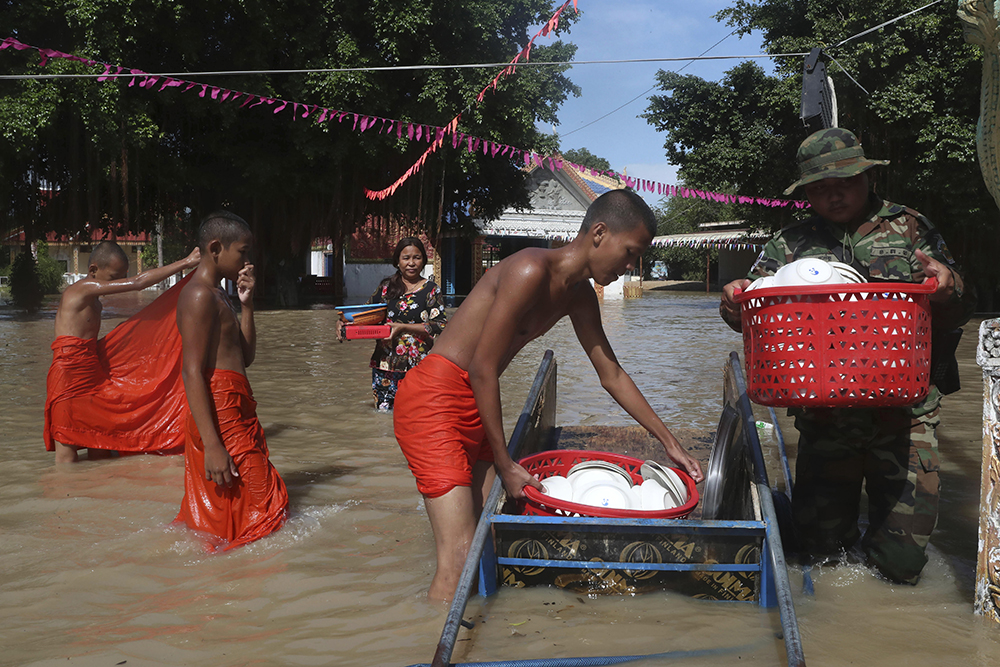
(882, 249)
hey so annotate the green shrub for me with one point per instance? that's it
(173, 250)
(50, 272)
(25, 287)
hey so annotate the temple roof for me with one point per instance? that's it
(732, 239)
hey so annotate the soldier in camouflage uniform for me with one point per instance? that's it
(892, 450)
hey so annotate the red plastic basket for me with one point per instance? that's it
(857, 345)
(356, 331)
(559, 461)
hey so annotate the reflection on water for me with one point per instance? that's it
(95, 574)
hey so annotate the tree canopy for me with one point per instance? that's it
(584, 157)
(919, 109)
(120, 157)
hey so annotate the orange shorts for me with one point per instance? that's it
(71, 409)
(438, 427)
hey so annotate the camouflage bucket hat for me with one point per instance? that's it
(831, 153)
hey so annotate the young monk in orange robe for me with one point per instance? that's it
(231, 490)
(123, 392)
(447, 418)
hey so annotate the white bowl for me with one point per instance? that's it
(668, 479)
(765, 281)
(611, 496)
(653, 496)
(849, 273)
(808, 271)
(601, 465)
(636, 497)
(588, 476)
(558, 487)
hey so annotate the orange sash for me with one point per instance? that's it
(257, 503)
(438, 427)
(123, 392)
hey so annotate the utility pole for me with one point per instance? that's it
(159, 241)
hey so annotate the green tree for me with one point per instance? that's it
(177, 243)
(716, 133)
(587, 159)
(682, 216)
(919, 111)
(118, 156)
(25, 286)
(50, 272)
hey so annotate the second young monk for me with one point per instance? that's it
(231, 490)
(120, 393)
(448, 419)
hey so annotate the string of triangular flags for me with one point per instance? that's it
(433, 134)
(750, 244)
(549, 26)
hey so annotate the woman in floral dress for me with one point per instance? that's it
(416, 315)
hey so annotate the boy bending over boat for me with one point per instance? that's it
(231, 490)
(447, 417)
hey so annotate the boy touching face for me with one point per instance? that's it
(231, 490)
(76, 370)
(449, 424)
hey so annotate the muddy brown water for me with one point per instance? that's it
(93, 572)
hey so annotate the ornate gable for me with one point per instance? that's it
(550, 191)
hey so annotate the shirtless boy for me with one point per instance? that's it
(75, 369)
(231, 490)
(448, 420)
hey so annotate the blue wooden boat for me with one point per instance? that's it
(732, 552)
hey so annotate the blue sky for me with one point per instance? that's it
(638, 29)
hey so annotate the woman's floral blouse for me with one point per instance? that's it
(421, 307)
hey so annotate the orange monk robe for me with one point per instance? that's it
(256, 504)
(124, 391)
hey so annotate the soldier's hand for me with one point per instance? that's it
(935, 269)
(728, 308)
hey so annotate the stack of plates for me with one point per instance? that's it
(604, 484)
(766, 281)
(809, 271)
(675, 493)
(849, 273)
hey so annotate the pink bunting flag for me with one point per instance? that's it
(434, 135)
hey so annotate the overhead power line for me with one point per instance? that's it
(882, 25)
(395, 68)
(648, 90)
(400, 68)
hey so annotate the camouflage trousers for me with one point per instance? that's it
(894, 452)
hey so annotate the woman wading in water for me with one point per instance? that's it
(416, 315)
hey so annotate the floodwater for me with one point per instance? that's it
(92, 573)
